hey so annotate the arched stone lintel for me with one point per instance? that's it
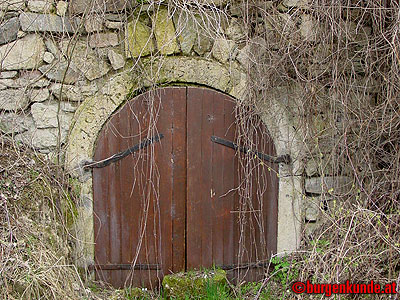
(94, 112)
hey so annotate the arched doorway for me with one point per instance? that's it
(165, 191)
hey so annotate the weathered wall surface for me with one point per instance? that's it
(57, 58)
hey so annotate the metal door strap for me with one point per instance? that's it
(124, 267)
(276, 160)
(117, 156)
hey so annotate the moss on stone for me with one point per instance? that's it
(139, 41)
(164, 32)
(182, 285)
(136, 293)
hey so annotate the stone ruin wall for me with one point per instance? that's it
(56, 54)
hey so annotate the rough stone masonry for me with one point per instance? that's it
(56, 54)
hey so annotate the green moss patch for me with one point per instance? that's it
(196, 285)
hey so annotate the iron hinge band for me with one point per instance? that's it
(118, 156)
(124, 267)
(276, 160)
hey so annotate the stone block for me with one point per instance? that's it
(93, 23)
(357, 33)
(239, 89)
(23, 82)
(15, 123)
(8, 74)
(328, 184)
(39, 95)
(282, 8)
(48, 57)
(216, 3)
(244, 56)
(60, 72)
(8, 83)
(186, 31)
(312, 207)
(164, 32)
(319, 166)
(61, 8)
(13, 99)
(21, 34)
(26, 53)
(40, 6)
(12, 5)
(47, 23)
(41, 138)
(85, 60)
(194, 31)
(117, 60)
(32, 79)
(9, 30)
(45, 116)
(237, 8)
(321, 61)
(68, 106)
(312, 167)
(187, 69)
(138, 40)
(113, 25)
(73, 92)
(52, 47)
(103, 39)
(308, 28)
(252, 52)
(296, 3)
(203, 43)
(235, 31)
(223, 49)
(98, 6)
(115, 17)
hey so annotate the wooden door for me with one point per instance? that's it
(224, 230)
(174, 204)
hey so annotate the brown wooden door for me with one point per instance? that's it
(174, 204)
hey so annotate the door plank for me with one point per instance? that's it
(162, 199)
(100, 210)
(208, 214)
(114, 203)
(126, 186)
(194, 195)
(178, 210)
(218, 201)
(231, 197)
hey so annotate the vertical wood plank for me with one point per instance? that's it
(232, 183)
(126, 185)
(134, 188)
(178, 212)
(219, 202)
(163, 158)
(194, 197)
(114, 202)
(205, 190)
(271, 205)
(100, 210)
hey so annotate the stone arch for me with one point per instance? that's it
(94, 112)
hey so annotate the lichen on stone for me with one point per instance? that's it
(181, 285)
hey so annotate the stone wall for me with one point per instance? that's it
(54, 54)
(57, 55)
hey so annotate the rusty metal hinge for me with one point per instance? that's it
(276, 160)
(245, 266)
(124, 267)
(117, 156)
